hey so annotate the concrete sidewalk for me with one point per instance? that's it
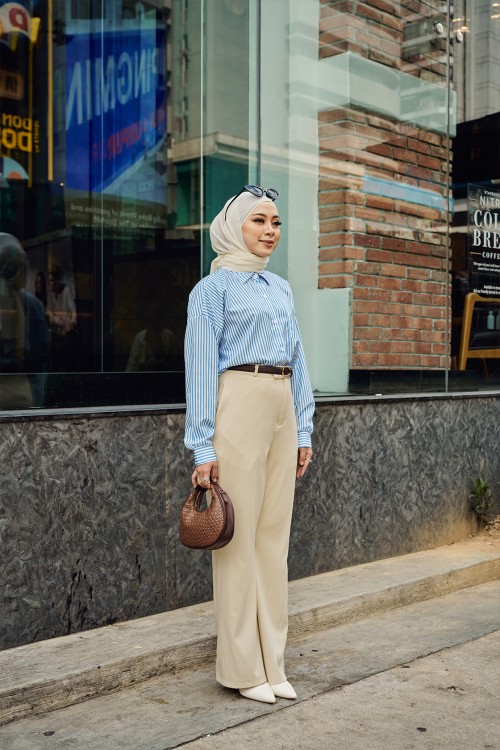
(53, 674)
(450, 701)
(343, 671)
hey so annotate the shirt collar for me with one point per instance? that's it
(250, 274)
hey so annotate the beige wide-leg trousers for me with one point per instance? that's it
(256, 444)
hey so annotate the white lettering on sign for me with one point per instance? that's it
(490, 201)
(97, 85)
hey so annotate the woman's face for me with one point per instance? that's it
(261, 230)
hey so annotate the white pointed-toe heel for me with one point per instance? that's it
(262, 693)
(284, 690)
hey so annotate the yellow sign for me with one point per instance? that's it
(16, 132)
(11, 85)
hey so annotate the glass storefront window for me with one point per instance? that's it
(125, 125)
(475, 232)
(366, 142)
(91, 198)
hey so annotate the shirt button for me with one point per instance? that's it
(265, 296)
(275, 320)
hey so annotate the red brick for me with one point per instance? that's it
(360, 319)
(341, 252)
(391, 360)
(420, 347)
(430, 161)
(372, 269)
(439, 348)
(368, 333)
(432, 287)
(421, 173)
(381, 256)
(389, 243)
(336, 267)
(419, 273)
(382, 149)
(381, 294)
(366, 360)
(439, 300)
(360, 292)
(360, 346)
(429, 137)
(432, 362)
(363, 306)
(403, 297)
(404, 155)
(366, 280)
(366, 12)
(356, 198)
(382, 321)
(411, 360)
(416, 145)
(411, 285)
(394, 270)
(439, 276)
(436, 337)
(375, 201)
(334, 282)
(390, 283)
(423, 299)
(410, 334)
(412, 310)
(366, 240)
(401, 346)
(379, 346)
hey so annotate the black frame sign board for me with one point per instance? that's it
(483, 205)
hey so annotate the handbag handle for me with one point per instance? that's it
(199, 492)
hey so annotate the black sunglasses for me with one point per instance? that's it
(257, 191)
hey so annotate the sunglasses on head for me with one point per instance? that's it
(257, 191)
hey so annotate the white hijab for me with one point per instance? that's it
(227, 238)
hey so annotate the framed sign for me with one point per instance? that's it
(483, 205)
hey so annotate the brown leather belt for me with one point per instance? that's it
(284, 371)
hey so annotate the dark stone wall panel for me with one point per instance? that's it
(83, 524)
(189, 573)
(89, 508)
(390, 478)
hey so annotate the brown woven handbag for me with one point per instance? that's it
(211, 528)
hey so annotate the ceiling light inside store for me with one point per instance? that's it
(462, 23)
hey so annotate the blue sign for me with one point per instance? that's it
(115, 104)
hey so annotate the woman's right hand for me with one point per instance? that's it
(203, 473)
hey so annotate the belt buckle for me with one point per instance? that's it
(287, 374)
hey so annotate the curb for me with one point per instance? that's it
(60, 672)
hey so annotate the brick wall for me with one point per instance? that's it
(391, 251)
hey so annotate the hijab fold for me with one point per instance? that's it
(227, 238)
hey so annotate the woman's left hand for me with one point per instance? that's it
(304, 458)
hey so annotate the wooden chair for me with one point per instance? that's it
(474, 350)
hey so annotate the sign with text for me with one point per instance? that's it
(483, 204)
(115, 105)
(23, 104)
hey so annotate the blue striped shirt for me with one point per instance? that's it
(238, 318)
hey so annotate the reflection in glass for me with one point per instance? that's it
(24, 339)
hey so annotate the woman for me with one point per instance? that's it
(249, 423)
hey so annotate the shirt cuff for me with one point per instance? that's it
(204, 455)
(305, 440)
